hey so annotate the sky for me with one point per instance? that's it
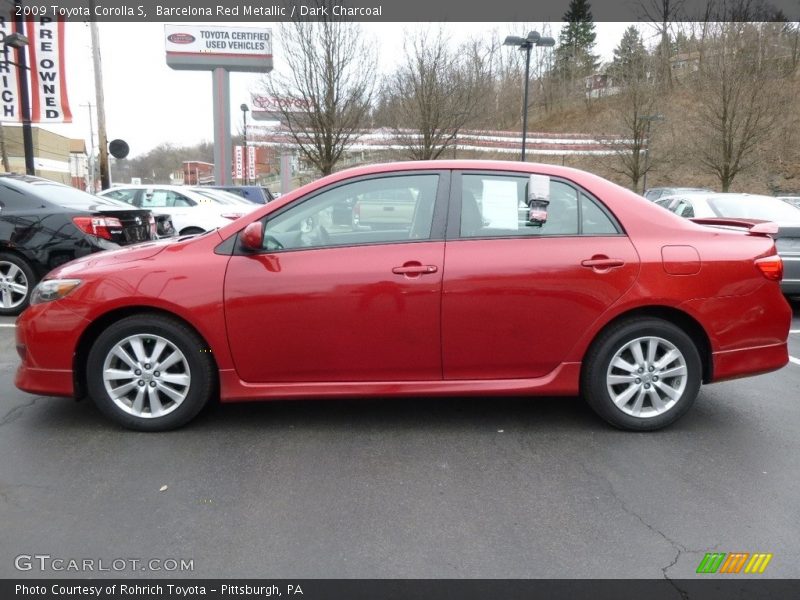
(147, 103)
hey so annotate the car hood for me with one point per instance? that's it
(141, 251)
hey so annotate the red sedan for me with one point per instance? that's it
(470, 278)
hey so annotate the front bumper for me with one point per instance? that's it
(47, 336)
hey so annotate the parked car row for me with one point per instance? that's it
(487, 278)
(748, 209)
(193, 210)
(44, 224)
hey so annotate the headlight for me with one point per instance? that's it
(53, 289)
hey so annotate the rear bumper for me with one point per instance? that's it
(749, 361)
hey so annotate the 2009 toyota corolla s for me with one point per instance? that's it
(471, 278)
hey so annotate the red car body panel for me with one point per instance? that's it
(331, 314)
(497, 316)
(531, 293)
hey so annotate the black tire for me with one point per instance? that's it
(22, 275)
(196, 361)
(597, 388)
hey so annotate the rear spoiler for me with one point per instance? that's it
(763, 228)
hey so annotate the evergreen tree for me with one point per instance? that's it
(630, 58)
(574, 57)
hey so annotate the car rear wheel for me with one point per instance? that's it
(17, 280)
(642, 374)
(150, 373)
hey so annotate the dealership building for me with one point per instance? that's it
(55, 157)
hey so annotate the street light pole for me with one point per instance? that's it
(648, 119)
(526, 44)
(246, 175)
(525, 101)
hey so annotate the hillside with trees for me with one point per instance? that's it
(711, 102)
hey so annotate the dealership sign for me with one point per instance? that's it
(49, 102)
(211, 47)
(273, 108)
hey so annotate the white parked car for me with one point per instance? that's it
(191, 212)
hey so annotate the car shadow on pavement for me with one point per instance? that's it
(374, 415)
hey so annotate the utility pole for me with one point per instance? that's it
(90, 187)
(102, 139)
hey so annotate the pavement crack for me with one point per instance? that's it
(676, 546)
(16, 412)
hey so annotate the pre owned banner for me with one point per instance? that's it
(49, 102)
(47, 84)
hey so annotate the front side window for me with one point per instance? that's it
(371, 211)
(164, 199)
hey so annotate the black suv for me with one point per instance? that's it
(44, 224)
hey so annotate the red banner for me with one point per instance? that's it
(47, 83)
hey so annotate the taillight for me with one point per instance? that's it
(99, 226)
(231, 216)
(153, 229)
(771, 267)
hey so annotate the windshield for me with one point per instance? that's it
(754, 207)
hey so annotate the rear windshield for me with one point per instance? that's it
(69, 197)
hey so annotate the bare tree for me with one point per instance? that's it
(325, 93)
(739, 98)
(433, 94)
(634, 109)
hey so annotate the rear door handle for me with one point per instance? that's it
(412, 269)
(602, 262)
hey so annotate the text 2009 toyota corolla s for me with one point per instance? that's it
(471, 278)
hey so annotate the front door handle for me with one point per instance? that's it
(602, 262)
(414, 269)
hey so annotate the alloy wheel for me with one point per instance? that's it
(646, 377)
(146, 375)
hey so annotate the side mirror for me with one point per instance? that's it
(253, 236)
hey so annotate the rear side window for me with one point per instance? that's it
(684, 209)
(594, 220)
(497, 206)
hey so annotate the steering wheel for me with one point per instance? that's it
(271, 243)
(322, 235)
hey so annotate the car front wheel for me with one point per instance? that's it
(642, 374)
(150, 373)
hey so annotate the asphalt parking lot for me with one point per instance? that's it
(396, 488)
